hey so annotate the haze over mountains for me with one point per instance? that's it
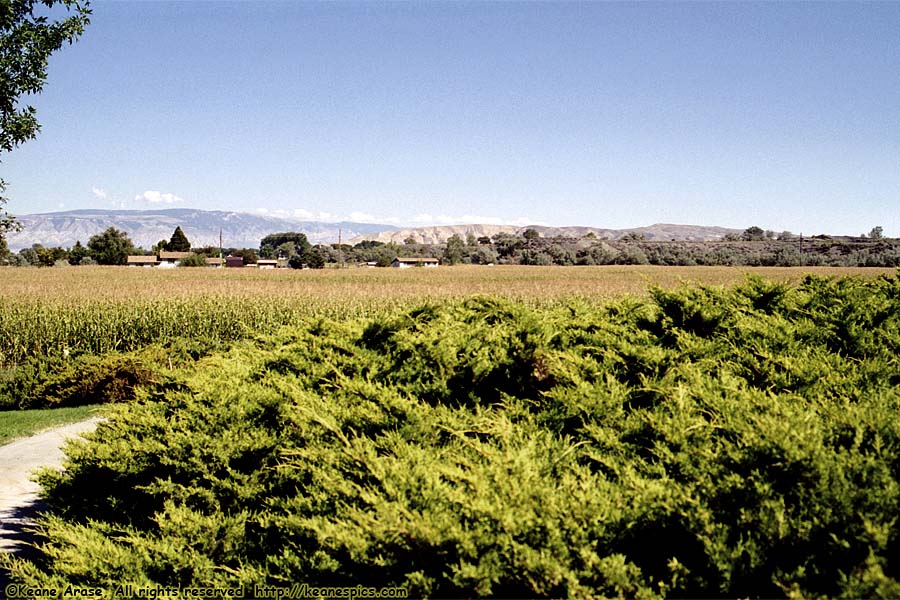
(147, 227)
(658, 232)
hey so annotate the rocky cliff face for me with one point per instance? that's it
(146, 228)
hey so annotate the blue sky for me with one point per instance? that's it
(782, 115)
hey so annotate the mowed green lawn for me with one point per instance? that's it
(15, 424)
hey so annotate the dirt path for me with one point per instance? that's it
(19, 501)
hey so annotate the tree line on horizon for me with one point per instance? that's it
(753, 247)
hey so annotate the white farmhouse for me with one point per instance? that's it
(402, 263)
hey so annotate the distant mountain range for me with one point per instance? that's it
(147, 227)
(658, 232)
(243, 230)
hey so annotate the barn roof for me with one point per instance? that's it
(174, 255)
(141, 260)
(417, 260)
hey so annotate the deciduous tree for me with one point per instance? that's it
(111, 247)
(753, 234)
(453, 253)
(270, 245)
(28, 36)
(77, 253)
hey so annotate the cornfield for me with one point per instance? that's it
(96, 310)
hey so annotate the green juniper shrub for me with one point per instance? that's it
(49, 382)
(82, 380)
(701, 443)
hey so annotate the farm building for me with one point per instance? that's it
(141, 261)
(234, 261)
(170, 259)
(265, 263)
(402, 263)
(215, 262)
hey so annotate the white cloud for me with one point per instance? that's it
(426, 219)
(522, 221)
(155, 197)
(307, 215)
(361, 217)
(418, 220)
(99, 193)
(483, 220)
(301, 214)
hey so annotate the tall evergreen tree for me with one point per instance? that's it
(179, 242)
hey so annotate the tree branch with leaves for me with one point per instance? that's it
(28, 36)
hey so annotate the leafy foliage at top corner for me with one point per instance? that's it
(27, 39)
(705, 442)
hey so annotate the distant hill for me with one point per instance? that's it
(147, 227)
(658, 232)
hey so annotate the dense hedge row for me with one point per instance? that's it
(54, 382)
(704, 442)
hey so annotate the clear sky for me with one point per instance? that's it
(782, 115)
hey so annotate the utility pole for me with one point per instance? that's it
(221, 250)
(340, 251)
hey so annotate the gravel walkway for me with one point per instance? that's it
(19, 501)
